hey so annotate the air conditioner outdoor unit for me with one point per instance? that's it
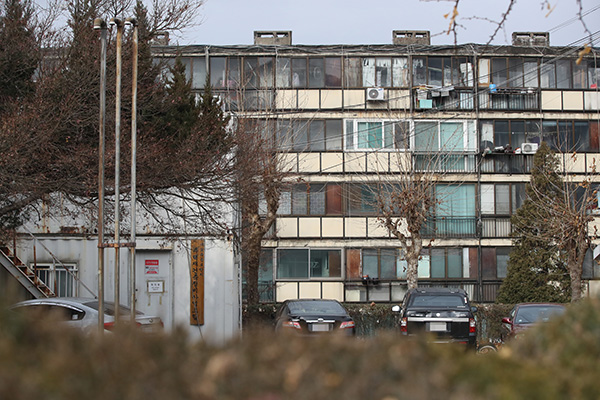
(529, 148)
(375, 94)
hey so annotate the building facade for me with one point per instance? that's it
(347, 116)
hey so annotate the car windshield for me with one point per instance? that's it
(109, 308)
(438, 300)
(316, 307)
(532, 314)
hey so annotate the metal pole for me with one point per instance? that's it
(132, 269)
(119, 24)
(99, 24)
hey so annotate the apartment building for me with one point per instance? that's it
(472, 115)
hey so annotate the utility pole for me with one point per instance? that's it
(120, 26)
(100, 25)
(132, 269)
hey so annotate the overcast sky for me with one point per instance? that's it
(372, 21)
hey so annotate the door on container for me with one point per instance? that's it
(154, 292)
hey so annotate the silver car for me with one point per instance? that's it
(82, 313)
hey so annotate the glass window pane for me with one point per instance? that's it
(518, 196)
(502, 200)
(299, 200)
(426, 136)
(352, 72)
(251, 73)
(501, 133)
(317, 199)
(325, 263)
(438, 263)
(333, 134)
(487, 199)
(349, 134)
(582, 136)
(499, 72)
(515, 72)
(300, 135)
(265, 72)
(292, 263)
(593, 74)
(579, 76)
(531, 74)
(388, 264)
(563, 74)
(388, 134)
(265, 271)
(368, 72)
(548, 75)
(452, 136)
(370, 135)
(199, 72)
(316, 75)
(455, 266)
(370, 267)
(550, 134)
(502, 256)
(285, 203)
(333, 72)
(217, 71)
(447, 67)
(317, 135)
(234, 73)
(402, 134)
(400, 72)
(284, 134)
(517, 134)
(299, 72)
(283, 73)
(419, 71)
(383, 72)
(435, 71)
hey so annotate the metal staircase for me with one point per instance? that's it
(24, 275)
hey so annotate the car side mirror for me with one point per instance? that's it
(473, 309)
(396, 308)
(506, 321)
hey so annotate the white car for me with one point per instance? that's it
(82, 313)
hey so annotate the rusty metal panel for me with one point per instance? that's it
(197, 283)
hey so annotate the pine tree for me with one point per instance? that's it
(536, 268)
(19, 52)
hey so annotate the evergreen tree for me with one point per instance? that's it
(536, 268)
(19, 52)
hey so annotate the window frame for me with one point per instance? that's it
(309, 277)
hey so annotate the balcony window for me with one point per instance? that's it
(308, 263)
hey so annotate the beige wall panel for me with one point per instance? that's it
(332, 162)
(376, 229)
(356, 227)
(286, 291)
(354, 99)
(287, 227)
(378, 162)
(288, 162)
(331, 99)
(591, 100)
(310, 290)
(333, 290)
(355, 162)
(286, 99)
(573, 100)
(333, 227)
(309, 162)
(309, 227)
(308, 99)
(399, 99)
(594, 226)
(574, 163)
(400, 161)
(551, 100)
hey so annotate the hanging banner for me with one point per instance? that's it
(197, 283)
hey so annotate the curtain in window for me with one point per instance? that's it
(370, 135)
(456, 209)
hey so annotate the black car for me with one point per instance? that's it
(313, 317)
(444, 313)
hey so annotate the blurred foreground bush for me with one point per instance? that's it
(40, 361)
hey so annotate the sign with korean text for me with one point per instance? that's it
(151, 267)
(197, 283)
